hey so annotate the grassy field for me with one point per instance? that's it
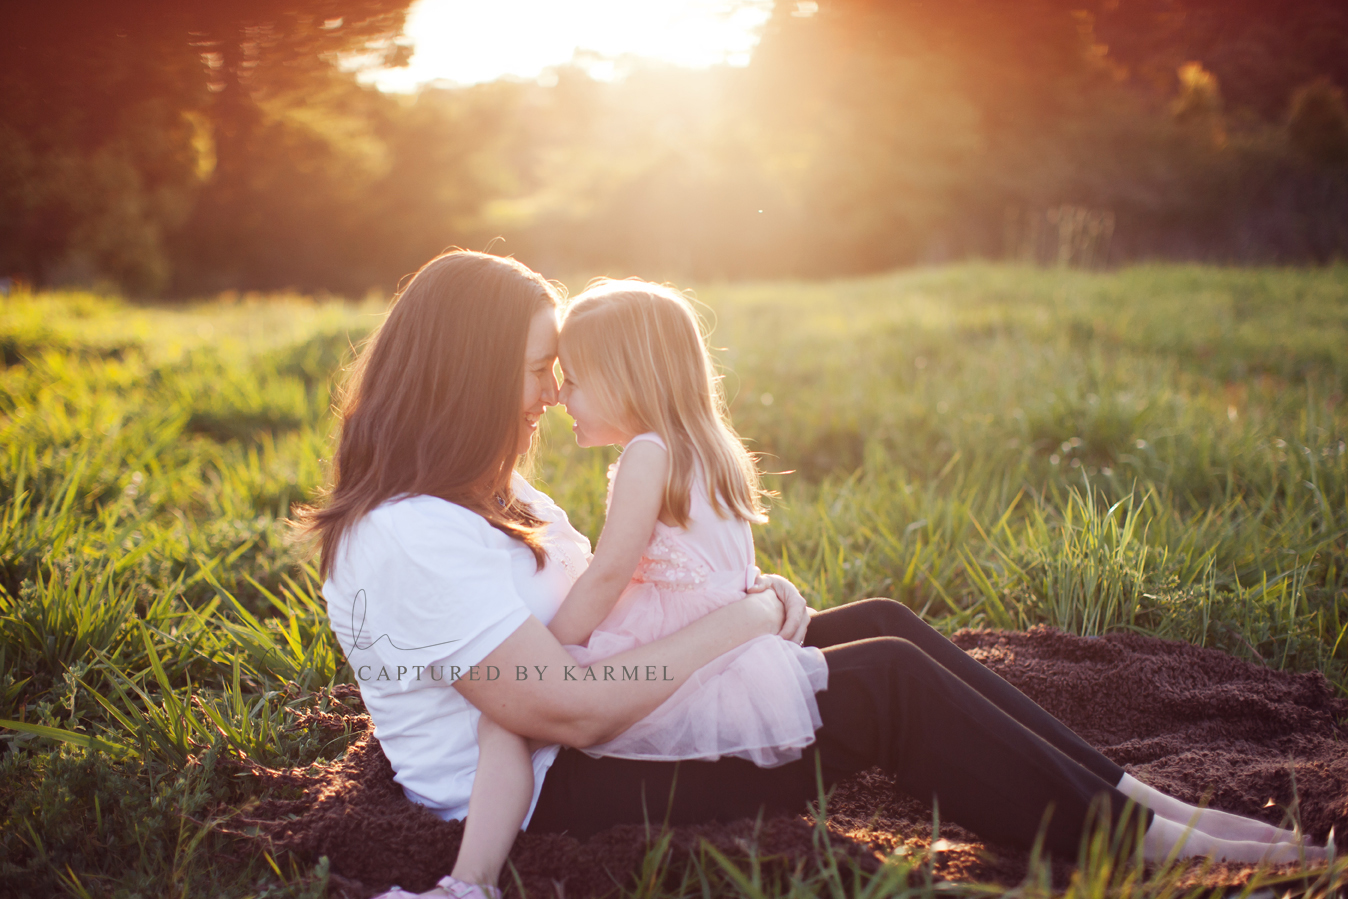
(1158, 449)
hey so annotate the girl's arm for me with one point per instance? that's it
(502, 789)
(537, 690)
(638, 494)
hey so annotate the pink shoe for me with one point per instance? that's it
(447, 888)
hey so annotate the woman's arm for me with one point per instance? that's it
(539, 691)
(638, 494)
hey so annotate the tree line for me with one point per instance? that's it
(172, 150)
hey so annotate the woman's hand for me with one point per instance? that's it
(796, 619)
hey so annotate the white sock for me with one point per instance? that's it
(1161, 838)
(1210, 821)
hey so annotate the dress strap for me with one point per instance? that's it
(652, 437)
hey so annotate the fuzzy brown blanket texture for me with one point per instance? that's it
(1193, 722)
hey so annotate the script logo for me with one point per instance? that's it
(357, 629)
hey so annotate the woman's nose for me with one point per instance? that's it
(549, 389)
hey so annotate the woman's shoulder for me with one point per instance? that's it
(412, 522)
(412, 534)
(421, 509)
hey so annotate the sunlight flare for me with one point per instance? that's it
(464, 42)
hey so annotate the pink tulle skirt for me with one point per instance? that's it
(755, 702)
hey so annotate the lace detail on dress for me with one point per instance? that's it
(665, 563)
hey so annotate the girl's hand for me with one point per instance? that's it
(767, 609)
(797, 613)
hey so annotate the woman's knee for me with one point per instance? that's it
(890, 618)
(878, 658)
(864, 619)
(876, 682)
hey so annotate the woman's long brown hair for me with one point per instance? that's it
(433, 402)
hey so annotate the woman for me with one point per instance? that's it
(443, 566)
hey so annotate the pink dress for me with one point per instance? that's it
(755, 702)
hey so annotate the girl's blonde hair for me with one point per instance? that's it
(638, 350)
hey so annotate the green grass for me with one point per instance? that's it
(1159, 449)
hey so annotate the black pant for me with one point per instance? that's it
(900, 696)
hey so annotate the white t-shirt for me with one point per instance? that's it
(420, 585)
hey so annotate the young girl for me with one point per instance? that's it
(675, 546)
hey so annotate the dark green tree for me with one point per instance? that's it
(114, 116)
(1317, 124)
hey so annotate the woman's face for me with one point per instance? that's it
(540, 387)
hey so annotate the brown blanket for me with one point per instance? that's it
(1196, 723)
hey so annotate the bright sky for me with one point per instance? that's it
(467, 41)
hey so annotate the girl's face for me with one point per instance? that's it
(540, 387)
(591, 426)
